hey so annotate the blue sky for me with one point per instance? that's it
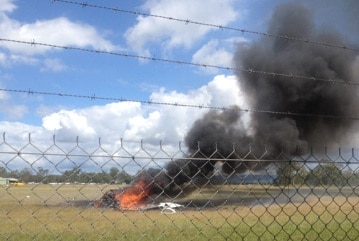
(27, 67)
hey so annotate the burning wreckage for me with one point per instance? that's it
(134, 198)
(154, 187)
(296, 110)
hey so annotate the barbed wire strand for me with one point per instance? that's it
(33, 43)
(150, 102)
(188, 21)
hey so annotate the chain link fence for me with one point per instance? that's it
(91, 190)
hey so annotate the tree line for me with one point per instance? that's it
(326, 173)
(74, 175)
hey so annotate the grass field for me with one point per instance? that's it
(243, 212)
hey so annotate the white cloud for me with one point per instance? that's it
(174, 33)
(222, 91)
(18, 129)
(67, 123)
(58, 31)
(131, 121)
(140, 125)
(225, 92)
(213, 54)
(9, 60)
(21, 59)
(47, 64)
(7, 6)
(152, 123)
(55, 65)
(96, 121)
(218, 53)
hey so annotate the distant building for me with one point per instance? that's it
(8, 181)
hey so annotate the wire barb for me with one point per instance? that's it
(176, 104)
(242, 31)
(180, 62)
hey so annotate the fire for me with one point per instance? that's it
(136, 196)
(133, 197)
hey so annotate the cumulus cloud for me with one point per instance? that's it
(18, 130)
(7, 6)
(134, 121)
(69, 122)
(58, 31)
(171, 34)
(173, 123)
(217, 52)
(131, 121)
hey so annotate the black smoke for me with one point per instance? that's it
(291, 113)
(296, 95)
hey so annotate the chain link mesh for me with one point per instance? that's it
(60, 190)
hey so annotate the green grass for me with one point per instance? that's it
(45, 212)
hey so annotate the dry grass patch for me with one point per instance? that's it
(52, 213)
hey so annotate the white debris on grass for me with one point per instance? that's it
(167, 207)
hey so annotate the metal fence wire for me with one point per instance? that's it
(91, 190)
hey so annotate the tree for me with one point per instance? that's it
(351, 177)
(72, 175)
(102, 177)
(326, 173)
(3, 172)
(291, 173)
(41, 175)
(124, 177)
(114, 174)
(119, 176)
(25, 175)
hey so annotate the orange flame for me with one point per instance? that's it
(133, 197)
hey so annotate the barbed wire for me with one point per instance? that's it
(198, 106)
(33, 43)
(188, 21)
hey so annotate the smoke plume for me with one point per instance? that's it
(311, 97)
(290, 114)
(293, 112)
